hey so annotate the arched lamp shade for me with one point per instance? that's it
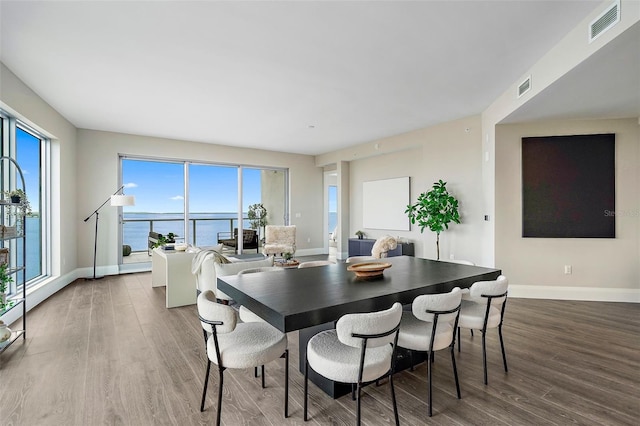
(123, 200)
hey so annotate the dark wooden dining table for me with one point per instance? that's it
(312, 299)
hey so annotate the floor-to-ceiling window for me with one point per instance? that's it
(215, 201)
(30, 150)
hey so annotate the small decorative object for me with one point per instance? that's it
(360, 234)
(434, 209)
(5, 333)
(126, 250)
(383, 245)
(4, 256)
(368, 269)
(287, 256)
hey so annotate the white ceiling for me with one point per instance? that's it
(306, 77)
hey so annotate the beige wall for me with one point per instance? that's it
(21, 101)
(97, 177)
(451, 152)
(610, 265)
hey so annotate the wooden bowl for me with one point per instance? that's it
(368, 269)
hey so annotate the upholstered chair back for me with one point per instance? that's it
(210, 310)
(260, 269)
(489, 288)
(314, 263)
(280, 234)
(369, 323)
(437, 302)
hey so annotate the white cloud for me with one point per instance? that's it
(130, 185)
(177, 198)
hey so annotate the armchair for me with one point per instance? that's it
(279, 240)
(249, 239)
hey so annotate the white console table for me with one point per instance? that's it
(173, 270)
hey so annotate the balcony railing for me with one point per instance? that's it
(203, 231)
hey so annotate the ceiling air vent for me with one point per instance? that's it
(604, 21)
(524, 87)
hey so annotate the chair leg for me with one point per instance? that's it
(430, 367)
(410, 359)
(504, 355)
(286, 383)
(484, 356)
(262, 374)
(221, 370)
(306, 387)
(471, 330)
(255, 372)
(459, 345)
(455, 371)
(206, 382)
(393, 400)
(359, 397)
(353, 391)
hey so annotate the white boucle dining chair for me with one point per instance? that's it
(430, 327)
(360, 350)
(238, 345)
(482, 308)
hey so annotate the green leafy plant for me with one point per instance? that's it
(257, 215)
(5, 280)
(434, 209)
(163, 240)
(287, 256)
(360, 234)
(18, 210)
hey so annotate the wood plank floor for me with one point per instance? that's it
(109, 352)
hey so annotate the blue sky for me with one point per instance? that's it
(159, 187)
(28, 157)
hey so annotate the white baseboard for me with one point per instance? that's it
(310, 252)
(594, 294)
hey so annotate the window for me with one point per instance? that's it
(197, 201)
(29, 149)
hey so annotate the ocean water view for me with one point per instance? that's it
(204, 226)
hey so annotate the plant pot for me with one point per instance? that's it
(15, 199)
(359, 237)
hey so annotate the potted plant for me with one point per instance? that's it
(257, 215)
(163, 240)
(434, 209)
(5, 281)
(360, 234)
(19, 208)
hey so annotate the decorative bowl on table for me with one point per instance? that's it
(368, 269)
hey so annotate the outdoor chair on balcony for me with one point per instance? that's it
(249, 239)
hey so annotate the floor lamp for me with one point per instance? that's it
(117, 200)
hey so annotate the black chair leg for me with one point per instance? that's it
(206, 382)
(471, 330)
(393, 400)
(484, 356)
(255, 372)
(459, 345)
(504, 355)
(430, 367)
(221, 370)
(410, 359)
(455, 371)
(262, 374)
(306, 387)
(286, 383)
(353, 391)
(359, 397)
